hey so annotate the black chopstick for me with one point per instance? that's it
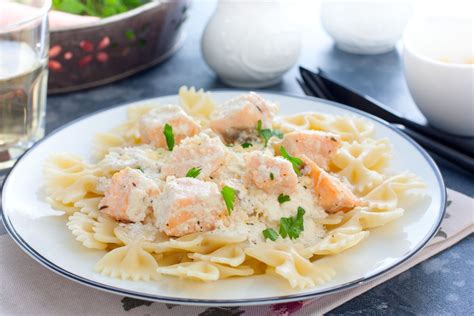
(451, 155)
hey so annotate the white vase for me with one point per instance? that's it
(251, 44)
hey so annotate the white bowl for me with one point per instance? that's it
(437, 52)
(365, 26)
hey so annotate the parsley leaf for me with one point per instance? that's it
(296, 162)
(246, 145)
(272, 177)
(267, 133)
(168, 132)
(292, 226)
(229, 195)
(270, 233)
(282, 198)
(193, 172)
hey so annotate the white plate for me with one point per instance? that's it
(47, 239)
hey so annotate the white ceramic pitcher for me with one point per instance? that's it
(251, 44)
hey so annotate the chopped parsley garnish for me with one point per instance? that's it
(267, 133)
(282, 198)
(296, 162)
(139, 168)
(229, 195)
(168, 132)
(193, 172)
(246, 145)
(272, 177)
(270, 233)
(292, 226)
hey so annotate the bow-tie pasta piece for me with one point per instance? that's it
(69, 179)
(190, 243)
(198, 103)
(171, 258)
(303, 122)
(104, 230)
(232, 255)
(296, 269)
(125, 135)
(129, 262)
(68, 208)
(337, 242)
(199, 242)
(104, 142)
(351, 129)
(82, 226)
(89, 206)
(201, 270)
(389, 193)
(362, 164)
(227, 272)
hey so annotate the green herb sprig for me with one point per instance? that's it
(267, 133)
(282, 198)
(270, 233)
(168, 132)
(289, 227)
(229, 194)
(292, 226)
(193, 172)
(296, 162)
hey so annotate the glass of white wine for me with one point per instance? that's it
(24, 45)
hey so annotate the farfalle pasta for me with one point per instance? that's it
(209, 191)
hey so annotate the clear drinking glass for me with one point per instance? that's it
(24, 45)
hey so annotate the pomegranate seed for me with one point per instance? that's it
(86, 46)
(54, 51)
(84, 61)
(55, 66)
(68, 55)
(102, 57)
(104, 42)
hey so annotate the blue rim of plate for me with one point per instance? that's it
(236, 302)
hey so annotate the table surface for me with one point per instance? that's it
(441, 285)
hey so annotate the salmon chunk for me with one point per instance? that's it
(189, 205)
(333, 195)
(200, 151)
(152, 124)
(242, 114)
(129, 196)
(318, 146)
(271, 174)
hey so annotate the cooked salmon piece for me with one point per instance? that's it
(271, 174)
(152, 124)
(241, 115)
(318, 146)
(332, 194)
(188, 205)
(129, 196)
(200, 151)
